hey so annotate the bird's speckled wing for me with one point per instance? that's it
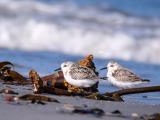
(126, 75)
(82, 73)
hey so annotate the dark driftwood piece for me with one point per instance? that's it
(117, 95)
(135, 91)
(56, 91)
(38, 97)
(55, 80)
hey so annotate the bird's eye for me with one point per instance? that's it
(65, 66)
(112, 66)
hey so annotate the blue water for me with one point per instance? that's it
(143, 8)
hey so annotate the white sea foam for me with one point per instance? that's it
(66, 27)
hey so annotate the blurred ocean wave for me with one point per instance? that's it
(81, 28)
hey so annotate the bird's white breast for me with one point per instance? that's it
(79, 82)
(119, 83)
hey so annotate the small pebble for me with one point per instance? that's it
(134, 115)
(116, 112)
(145, 96)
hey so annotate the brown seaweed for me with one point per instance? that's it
(8, 91)
(4, 63)
(38, 98)
(81, 110)
(9, 76)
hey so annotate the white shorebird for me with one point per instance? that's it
(122, 77)
(79, 76)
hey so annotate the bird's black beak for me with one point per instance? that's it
(104, 78)
(103, 68)
(58, 69)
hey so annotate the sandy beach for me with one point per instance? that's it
(51, 110)
(25, 110)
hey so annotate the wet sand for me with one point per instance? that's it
(51, 111)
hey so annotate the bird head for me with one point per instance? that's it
(66, 65)
(112, 65)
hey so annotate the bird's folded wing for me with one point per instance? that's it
(126, 75)
(82, 73)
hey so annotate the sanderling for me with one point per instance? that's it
(79, 76)
(122, 77)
